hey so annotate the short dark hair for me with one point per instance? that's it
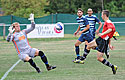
(106, 12)
(79, 9)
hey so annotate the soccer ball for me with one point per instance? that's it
(59, 26)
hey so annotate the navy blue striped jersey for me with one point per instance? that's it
(92, 20)
(83, 22)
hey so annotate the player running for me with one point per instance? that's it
(92, 19)
(85, 35)
(24, 50)
(104, 40)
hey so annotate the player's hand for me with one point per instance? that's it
(97, 31)
(80, 32)
(111, 47)
(31, 17)
(11, 30)
(99, 34)
(75, 33)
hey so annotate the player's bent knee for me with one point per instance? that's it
(100, 59)
(37, 53)
(76, 44)
(27, 58)
(41, 53)
(88, 46)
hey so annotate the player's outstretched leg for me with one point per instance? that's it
(44, 59)
(82, 58)
(114, 67)
(86, 52)
(34, 65)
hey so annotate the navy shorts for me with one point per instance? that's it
(85, 37)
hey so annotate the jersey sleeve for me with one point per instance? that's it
(86, 22)
(30, 29)
(109, 25)
(10, 37)
(97, 20)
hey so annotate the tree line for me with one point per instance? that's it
(23, 8)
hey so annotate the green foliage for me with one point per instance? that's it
(23, 8)
(117, 8)
(71, 6)
(0, 3)
(41, 8)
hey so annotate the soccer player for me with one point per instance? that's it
(92, 19)
(83, 30)
(24, 50)
(104, 40)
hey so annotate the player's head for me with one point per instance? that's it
(80, 12)
(90, 11)
(105, 14)
(16, 26)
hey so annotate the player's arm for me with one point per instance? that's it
(110, 46)
(100, 25)
(77, 30)
(106, 32)
(87, 28)
(10, 36)
(31, 28)
(32, 24)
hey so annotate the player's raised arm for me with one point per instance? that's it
(10, 35)
(32, 24)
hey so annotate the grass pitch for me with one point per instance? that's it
(60, 52)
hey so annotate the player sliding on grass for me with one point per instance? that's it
(24, 50)
(85, 35)
(104, 40)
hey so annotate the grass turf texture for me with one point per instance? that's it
(60, 52)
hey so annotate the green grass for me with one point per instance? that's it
(60, 52)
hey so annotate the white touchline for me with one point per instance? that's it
(5, 75)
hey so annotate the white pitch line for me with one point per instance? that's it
(5, 75)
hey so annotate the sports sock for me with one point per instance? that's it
(107, 63)
(86, 52)
(33, 64)
(96, 48)
(77, 51)
(43, 58)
